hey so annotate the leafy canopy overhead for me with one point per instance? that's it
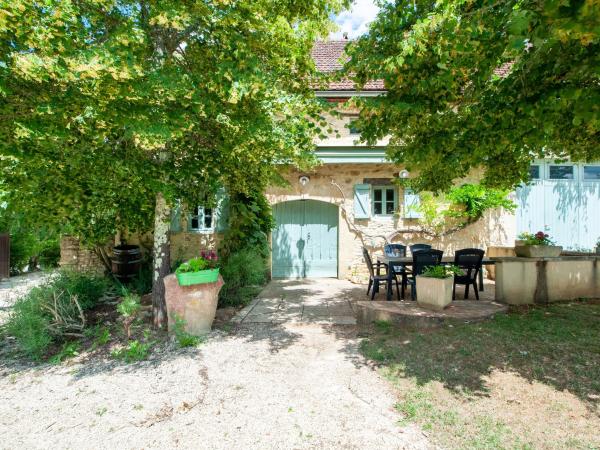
(104, 103)
(491, 84)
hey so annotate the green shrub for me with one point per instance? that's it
(88, 287)
(142, 283)
(29, 246)
(185, 339)
(55, 310)
(129, 307)
(135, 351)
(68, 350)
(242, 272)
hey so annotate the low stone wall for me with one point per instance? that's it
(495, 252)
(75, 256)
(523, 281)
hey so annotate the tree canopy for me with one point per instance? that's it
(104, 104)
(112, 109)
(481, 83)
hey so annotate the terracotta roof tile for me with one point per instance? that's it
(329, 57)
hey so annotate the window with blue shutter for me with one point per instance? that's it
(362, 201)
(201, 219)
(411, 205)
(222, 211)
(176, 218)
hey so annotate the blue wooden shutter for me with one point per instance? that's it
(222, 211)
(411, 203)
(362, 201)
(176, 218)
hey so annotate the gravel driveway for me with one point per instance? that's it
(262, 386)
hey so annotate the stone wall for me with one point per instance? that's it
(334, 183)
(187, 245)
(184, 246)
(74, 256)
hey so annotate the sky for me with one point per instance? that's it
(355, 21)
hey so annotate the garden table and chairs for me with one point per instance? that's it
(397, 264)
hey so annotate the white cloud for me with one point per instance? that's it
(356, 21)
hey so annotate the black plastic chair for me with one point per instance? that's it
(421, 260)
(419, 247)
(469, 261)
(397, 250)
(375, 278)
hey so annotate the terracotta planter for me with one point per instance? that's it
(434, 293)
(538, 251)
(195, 304)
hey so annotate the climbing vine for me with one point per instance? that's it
(443, 214)
(250, 222)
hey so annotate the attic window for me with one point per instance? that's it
(352, 126)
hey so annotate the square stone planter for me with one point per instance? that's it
(538, 251)
(195, 304)
(434, 293)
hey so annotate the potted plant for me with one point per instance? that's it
(434, 286)
(538, 245)
(199, 270)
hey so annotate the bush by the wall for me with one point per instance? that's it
(51, 313)
(244, 272)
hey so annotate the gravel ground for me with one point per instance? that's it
(14, 287)
(262, 386)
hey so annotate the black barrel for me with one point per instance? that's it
(126, 262)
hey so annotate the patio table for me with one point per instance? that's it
(391, 261)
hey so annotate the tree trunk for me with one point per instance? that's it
(162, 259)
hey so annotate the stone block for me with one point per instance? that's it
(196, 305)
(434, 293)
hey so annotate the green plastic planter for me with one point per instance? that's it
(201, 277)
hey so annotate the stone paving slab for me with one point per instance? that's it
(326, 301)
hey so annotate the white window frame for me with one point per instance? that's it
(554, 180)
(583, 166)
(541, 167)
(201, 215)
(384, 202)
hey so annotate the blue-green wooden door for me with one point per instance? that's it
(305, 240)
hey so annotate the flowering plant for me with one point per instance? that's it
(539, 238)
(207, 260)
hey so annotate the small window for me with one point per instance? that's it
(534, 172)
(352, 126)
(201, 219)
(591, 173)
(384, 200)
(562, 172)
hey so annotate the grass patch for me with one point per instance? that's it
(445, 377)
